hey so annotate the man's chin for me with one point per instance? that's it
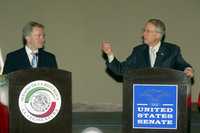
(40, 46)
(146, 42)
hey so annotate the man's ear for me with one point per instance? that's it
(159, 36)
(27, 39)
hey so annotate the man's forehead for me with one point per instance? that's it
(37, 28)
(149, 25)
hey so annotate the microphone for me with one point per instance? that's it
(160, 53)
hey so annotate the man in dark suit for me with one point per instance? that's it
(32, 55)
(154, 52)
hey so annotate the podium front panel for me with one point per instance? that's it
(40, 101)
(153, 88)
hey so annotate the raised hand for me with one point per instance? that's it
(106, 47)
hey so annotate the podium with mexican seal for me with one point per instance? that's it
(156, 101)
(40, 100)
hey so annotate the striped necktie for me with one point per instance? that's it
(34, 60)
(152, 56)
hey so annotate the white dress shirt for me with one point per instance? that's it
(30, 53)
(153, 53)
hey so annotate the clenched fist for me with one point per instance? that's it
(106, 47)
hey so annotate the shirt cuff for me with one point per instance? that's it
(110, 58)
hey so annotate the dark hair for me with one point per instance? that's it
(27, 29)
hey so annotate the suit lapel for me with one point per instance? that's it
(161, 55)
(40, 59)
(26, 59)
(146, 56)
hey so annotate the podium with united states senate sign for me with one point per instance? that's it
(40, 101)
(156, 101)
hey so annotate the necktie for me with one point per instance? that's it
(152, 56)
(34, 60)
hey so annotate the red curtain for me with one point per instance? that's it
(198, 101)
(3, 119)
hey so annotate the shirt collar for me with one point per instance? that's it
(156, 47)
(29, 51)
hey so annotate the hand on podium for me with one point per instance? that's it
(189, 72)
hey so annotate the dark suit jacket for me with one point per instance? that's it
(168, 56)
(18, 60)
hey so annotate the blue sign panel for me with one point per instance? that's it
(155, 106)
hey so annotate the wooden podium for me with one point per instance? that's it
(40, 101)
(155, 101)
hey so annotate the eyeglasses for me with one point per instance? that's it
(150, 31)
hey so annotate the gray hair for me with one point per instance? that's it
(28, 28)
(160, 26)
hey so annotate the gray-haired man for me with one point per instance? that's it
(154, 52)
